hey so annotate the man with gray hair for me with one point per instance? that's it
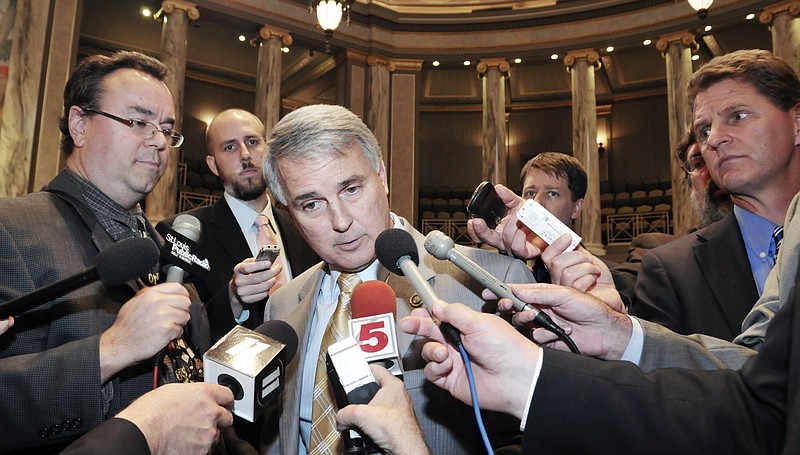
(325, 165)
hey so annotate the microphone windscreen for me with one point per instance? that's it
(371, 298)
(188, 226)
(281, 331)
(126, 260)
(392, 245)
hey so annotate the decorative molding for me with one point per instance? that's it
(486, 63)
(684, 37)
(589, 55)
(169, 6)
(407, 64)
(792, 7)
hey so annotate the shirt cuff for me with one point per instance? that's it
(243, 316)
(633, 353)
(534, 380)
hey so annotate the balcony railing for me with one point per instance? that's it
(622, 228)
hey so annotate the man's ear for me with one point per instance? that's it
(76, 122)
(382, 174)
(796, 112)
(577, 208)
(212, 164)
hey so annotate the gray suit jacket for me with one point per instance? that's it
(448, 426)
(663, 348)
(50, 367)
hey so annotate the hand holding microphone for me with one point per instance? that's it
(144, 325)
(440, 246)
(503, 361)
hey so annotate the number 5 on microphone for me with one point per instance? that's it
(375, 335)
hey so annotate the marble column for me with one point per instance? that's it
(377, 118)
(493, 72)
(582, 65)
(20, 114)
(404, 108)
(785, 27)
(351, 73)
(163, 200)
(60, 61)
(677, 51)
(268, 83)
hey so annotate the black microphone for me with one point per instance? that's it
(252, 363)
(352, 383)
(118, 263)
(188, 227)
(397, 252)
(440, 246)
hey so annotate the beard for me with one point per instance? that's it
(247, 190)
(709, 210)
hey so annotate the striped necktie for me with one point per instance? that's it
(325, 439)
(777, 236)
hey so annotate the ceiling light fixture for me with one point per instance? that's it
(435, 63)
(701, 6)
(329, 15)
(647, 42)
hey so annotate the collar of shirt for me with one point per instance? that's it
(118, 222)
(757, 236)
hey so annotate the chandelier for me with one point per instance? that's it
(329, 15)
(701, 6)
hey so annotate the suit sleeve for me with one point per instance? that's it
(664, 348)
(117, 436)
(654, 295)
(54, 391)
(584, 405)
(754, 326)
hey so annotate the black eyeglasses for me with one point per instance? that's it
(143, 129)
(694, 163)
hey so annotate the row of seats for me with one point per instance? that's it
(445, 192)
(646, 185)
(622, 199)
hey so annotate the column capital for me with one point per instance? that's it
(380, 60)
(792, 7)
(485, 63)
(684, 37)
(168, 6)
(269, 31)
(589, 55)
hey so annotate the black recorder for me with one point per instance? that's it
(487, 205)
(268, 253)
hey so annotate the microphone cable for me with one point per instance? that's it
(474, 393)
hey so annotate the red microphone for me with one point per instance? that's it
(373, 306)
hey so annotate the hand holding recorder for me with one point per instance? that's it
(254, 278)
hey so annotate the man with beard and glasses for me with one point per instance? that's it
(238, 286)
(710, 202)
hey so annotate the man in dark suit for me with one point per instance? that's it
(238, 286)
(685, 294)
(72, 363)
(325, 165)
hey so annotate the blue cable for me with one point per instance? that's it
(474, 393)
